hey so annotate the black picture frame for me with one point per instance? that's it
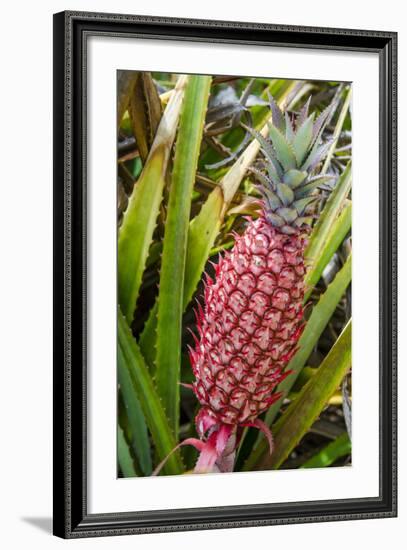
(71, 518)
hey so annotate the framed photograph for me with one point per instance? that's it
(224, 274)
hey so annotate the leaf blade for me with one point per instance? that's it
(328, 216)
(303, 411)
(139, 220)
(170, 298)
(124, 456)
(341, 446)
(135, 416)
(337, 232)
(154, 414)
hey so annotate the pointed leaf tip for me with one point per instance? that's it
(276, 113)
(304, 112)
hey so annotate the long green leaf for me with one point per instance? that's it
(170, 299)
(328, 216)
(338, 229)
(148, 338)
(150, 402)
(123, 453)
(139, 219)
(341, 446)
(303, 411)
(203, 231)
(135, 416)
(320, 316)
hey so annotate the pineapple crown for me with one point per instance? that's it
(291, 153)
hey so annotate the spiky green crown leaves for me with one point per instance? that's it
(292, 152)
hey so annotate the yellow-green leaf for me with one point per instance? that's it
(303, 411)
(139, 219)
(328, 216)
(145, 390)
(339, 447)
(170, 298)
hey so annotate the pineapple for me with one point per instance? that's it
(252, 316)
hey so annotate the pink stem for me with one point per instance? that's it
(218, 452)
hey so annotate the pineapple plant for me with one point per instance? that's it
(253, 313)
(249, 336)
